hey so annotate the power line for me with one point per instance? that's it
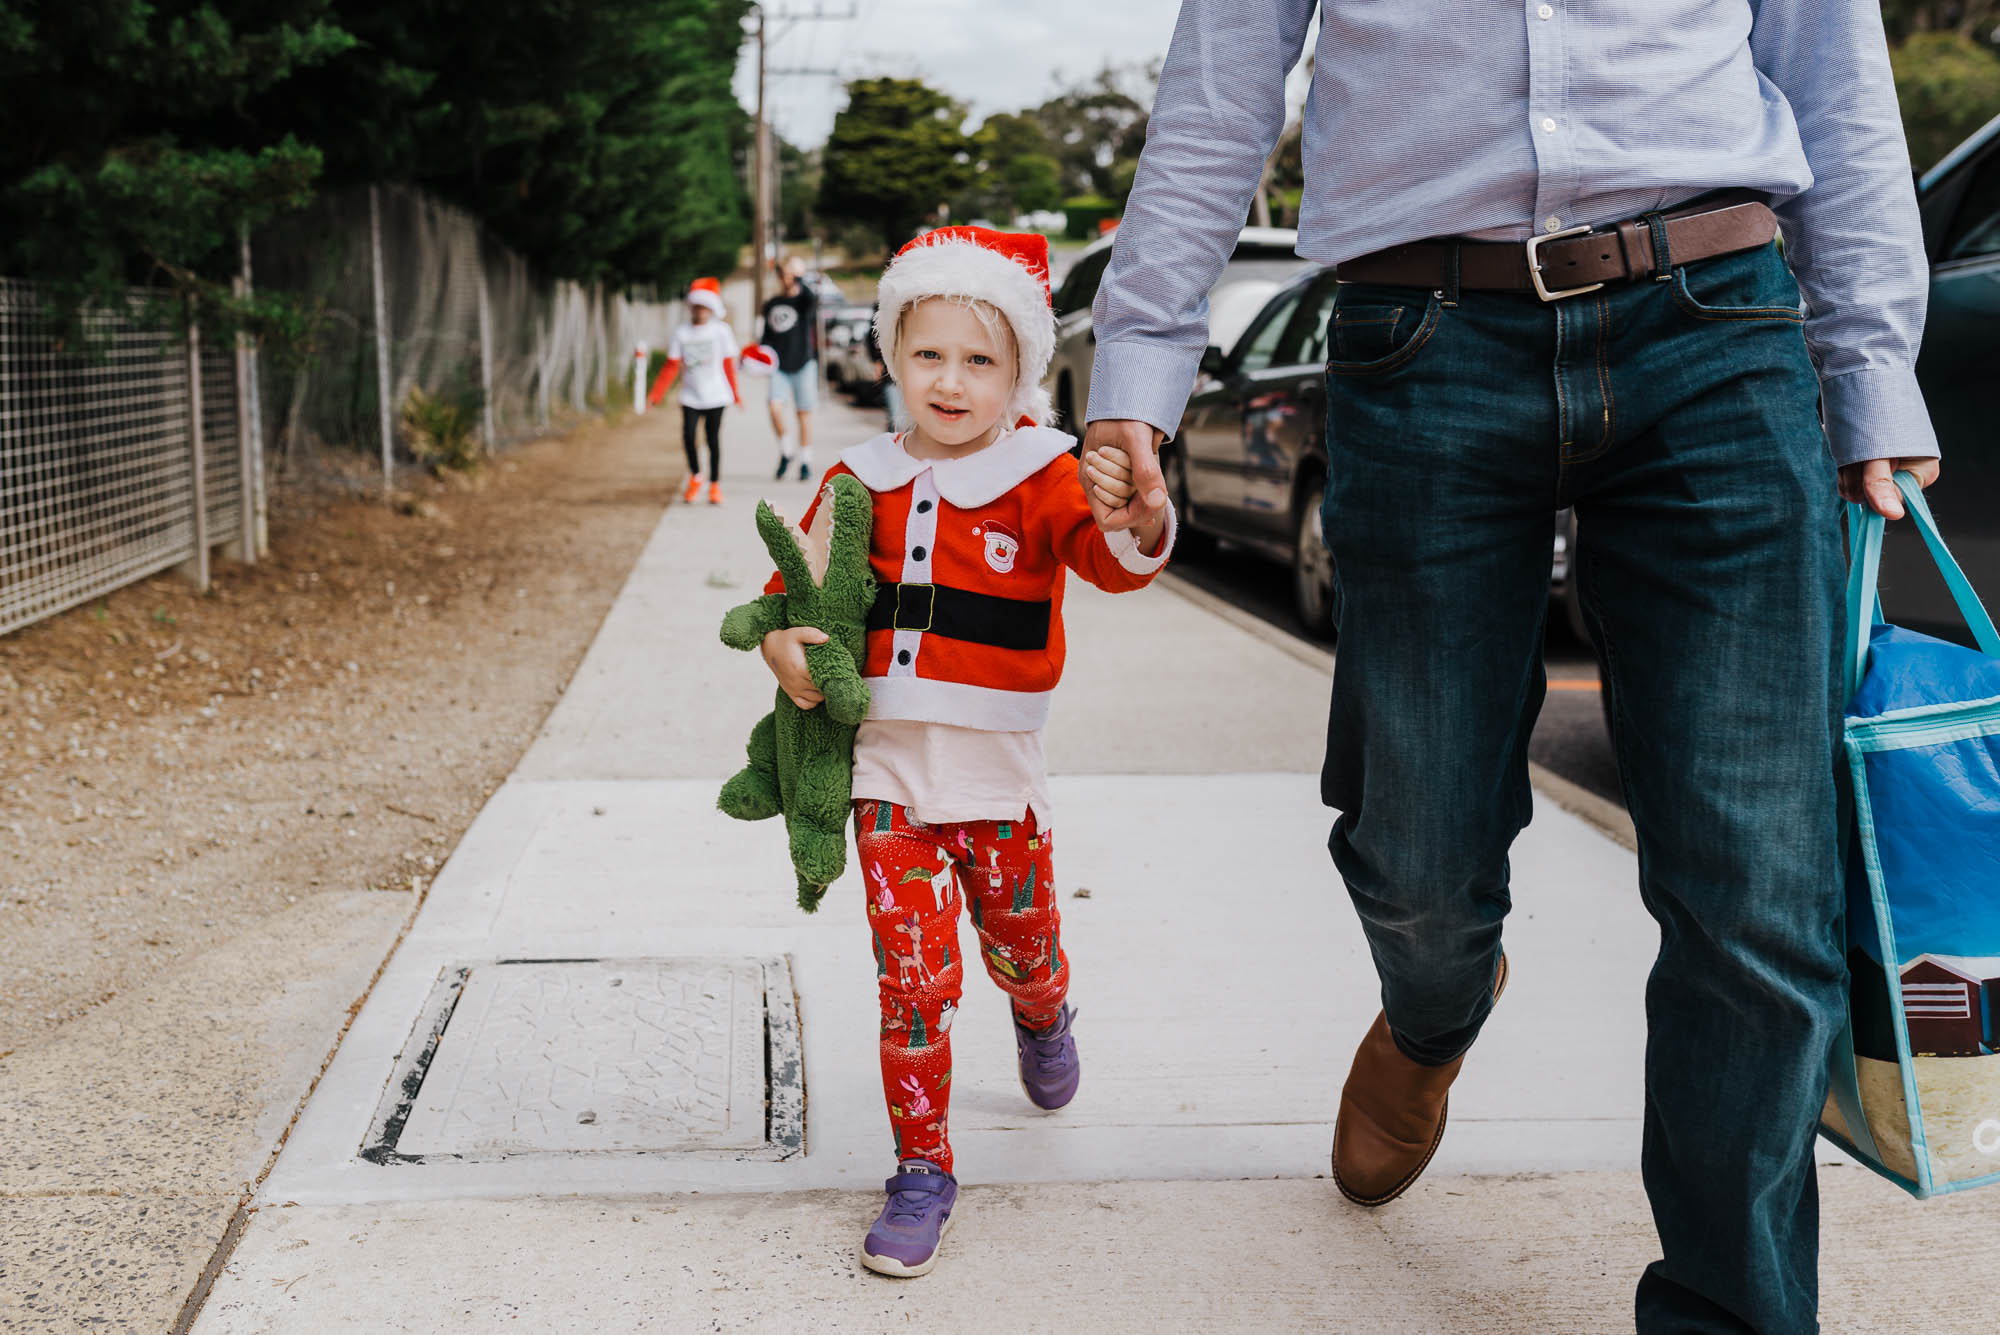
(764, 195)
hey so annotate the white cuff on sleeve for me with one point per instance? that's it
(1876, 412)
(1125, 547)
(1145, 382)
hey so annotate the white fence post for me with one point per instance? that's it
(485, 358)
(245, 547)
(196, 567)
(257, 511)
(384, 389)
(642, 362)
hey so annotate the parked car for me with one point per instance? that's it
(1960, 203)
(844, 346)
(1249, 461)
(1264, 256)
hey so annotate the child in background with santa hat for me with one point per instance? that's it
(978, 514)
(703, 354)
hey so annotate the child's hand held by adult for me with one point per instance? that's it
(785, 654)
(1139, 442)
(1109, 470)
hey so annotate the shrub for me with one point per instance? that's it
(442, 430)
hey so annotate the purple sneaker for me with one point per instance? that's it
(1049, 1066)
(906, 1235)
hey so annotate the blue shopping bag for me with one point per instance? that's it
(1915, 1090)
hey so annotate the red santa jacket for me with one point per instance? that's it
(970, 554)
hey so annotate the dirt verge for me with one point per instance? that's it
(176, 766)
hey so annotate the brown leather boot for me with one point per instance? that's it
(1392, 1114)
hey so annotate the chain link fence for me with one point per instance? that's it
(463, 317)
(99, 453)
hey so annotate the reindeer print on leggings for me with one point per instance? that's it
(915, 878)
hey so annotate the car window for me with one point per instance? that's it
(1304, 342)
(1976, 229)
(1080, 288)
(1261, 344)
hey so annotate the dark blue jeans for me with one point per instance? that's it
(1679, 417)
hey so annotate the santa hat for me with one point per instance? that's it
(707, 300)
(706, 285)
(1007, 270)
(760, 360)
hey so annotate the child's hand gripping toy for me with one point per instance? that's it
(802, 760)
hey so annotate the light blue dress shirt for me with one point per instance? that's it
(1499, 119)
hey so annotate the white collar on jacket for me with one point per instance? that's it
(979, 479)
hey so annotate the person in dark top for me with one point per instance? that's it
(892, 397)
(788, 325)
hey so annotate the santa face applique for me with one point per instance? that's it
(1002, 546)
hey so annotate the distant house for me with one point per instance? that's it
(1945, 1007)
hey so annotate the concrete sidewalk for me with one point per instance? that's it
(553, 1108)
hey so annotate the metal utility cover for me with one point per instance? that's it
(573, 1056)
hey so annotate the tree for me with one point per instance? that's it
(602, 141)
(108, 173)
(798, 187)
(1015, 170)
(895, 154)
(1949, 86)
(1094, 125)
(1967, 18)
(1024, 891)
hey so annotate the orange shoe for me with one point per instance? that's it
(693, 489)
(715, 493)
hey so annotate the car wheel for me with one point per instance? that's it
(1312, 566)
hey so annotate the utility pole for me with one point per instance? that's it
(763, 192)
(759, 211)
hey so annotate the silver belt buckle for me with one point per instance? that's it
(1535, 266)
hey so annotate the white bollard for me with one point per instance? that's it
(641, 361)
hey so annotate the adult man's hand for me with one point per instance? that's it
(1872, 484)
(1141, 443)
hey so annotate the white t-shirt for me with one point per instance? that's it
(702, 349)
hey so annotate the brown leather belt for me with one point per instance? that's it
(1568, 263)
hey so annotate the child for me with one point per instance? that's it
(706, 350)
(978, 510)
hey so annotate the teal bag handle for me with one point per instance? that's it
(1864, 611)
(1864, 603)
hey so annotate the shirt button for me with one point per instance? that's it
(1546, 12)
(917, 553)
(1549, 124)
(903, 657)
(1552, 223)
(923, 507)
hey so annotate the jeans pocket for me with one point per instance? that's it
(1379, 329)
(1751, 285)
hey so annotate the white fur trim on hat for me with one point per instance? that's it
(966, 269)
(708, 301)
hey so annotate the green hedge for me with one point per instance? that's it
(1084, 213)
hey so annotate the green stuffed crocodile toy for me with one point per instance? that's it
(802, 760)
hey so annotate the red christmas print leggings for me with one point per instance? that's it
(916, 874)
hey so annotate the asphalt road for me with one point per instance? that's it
(1569, 738)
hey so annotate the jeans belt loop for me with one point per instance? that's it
(1656, 232)
(1448, 294)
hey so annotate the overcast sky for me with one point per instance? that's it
(996, 55)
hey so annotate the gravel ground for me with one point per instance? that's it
(175, 766)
